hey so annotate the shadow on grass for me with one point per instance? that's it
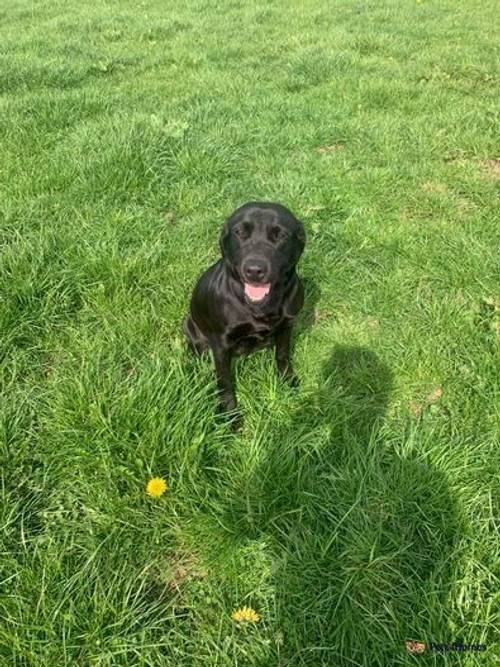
(360, 533)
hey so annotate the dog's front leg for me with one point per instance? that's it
(222, 359)
(283, 362)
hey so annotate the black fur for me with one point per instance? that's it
(263, 242)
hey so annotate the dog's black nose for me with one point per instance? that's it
(254, 270)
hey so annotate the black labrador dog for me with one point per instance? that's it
(249, 299)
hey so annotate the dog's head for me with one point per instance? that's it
(262, 243)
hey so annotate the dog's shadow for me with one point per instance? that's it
(361, 524)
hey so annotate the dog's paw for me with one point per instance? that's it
(235, 421)
(291, 379)
(231, 415)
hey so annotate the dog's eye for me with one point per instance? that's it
(276, 234)
(239, 232)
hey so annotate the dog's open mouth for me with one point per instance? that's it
(257, 292)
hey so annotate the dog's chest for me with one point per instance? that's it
(246, 337)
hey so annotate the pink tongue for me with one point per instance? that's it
(257, 292)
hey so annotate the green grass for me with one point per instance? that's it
(352, 514)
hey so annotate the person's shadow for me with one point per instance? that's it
(361, 526)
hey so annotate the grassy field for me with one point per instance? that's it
(352, 514)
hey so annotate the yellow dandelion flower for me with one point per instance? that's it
(156, 487)
(245, 615)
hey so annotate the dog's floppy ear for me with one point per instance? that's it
(301, 235)
(224, 235)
